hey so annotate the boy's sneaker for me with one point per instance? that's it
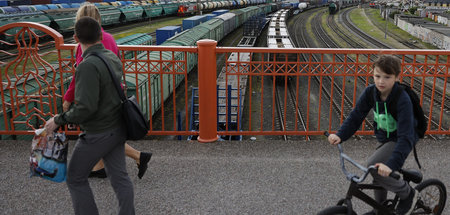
(406, 206)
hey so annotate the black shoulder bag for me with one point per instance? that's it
(137, 125)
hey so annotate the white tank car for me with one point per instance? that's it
(302, 5)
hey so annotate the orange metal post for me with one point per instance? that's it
(207, 91)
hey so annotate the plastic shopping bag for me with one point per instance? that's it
(48, 157)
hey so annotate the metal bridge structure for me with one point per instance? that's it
(34, 82)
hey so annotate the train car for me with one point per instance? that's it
(63, 20)
(211, 29)
(110, 15)
(39, 7)
(152, 10)
(120, 12)
(169, 9)
(166, 32)
(188, 9)
(210, 16)
(153, 83)
(38, 17)
(332, 8)
(229, 22)
(137, 40)
(278, 37)
(130, 13)
(9, 10)
(216, 29)
(191, 22)
(302, 6)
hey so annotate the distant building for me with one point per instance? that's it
(437, 3)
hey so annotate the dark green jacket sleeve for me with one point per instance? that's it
(86, 96)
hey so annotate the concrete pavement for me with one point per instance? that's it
(250, 177)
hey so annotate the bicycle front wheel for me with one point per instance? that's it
(432, 197)
(335, 210)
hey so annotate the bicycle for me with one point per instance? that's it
(431, 200)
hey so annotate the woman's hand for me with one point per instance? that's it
(66, 105)
(383, 170)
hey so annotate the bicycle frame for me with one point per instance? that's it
(387, 207)
(356, 189)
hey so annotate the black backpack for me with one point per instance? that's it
(419, 115)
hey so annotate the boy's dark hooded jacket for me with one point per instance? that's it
(402, 131)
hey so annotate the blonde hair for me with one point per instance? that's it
(90, 10)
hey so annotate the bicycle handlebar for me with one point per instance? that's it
(353, 177)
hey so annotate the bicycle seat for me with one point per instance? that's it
(412, 175)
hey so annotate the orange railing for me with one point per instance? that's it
(288, 91)
(316, 78)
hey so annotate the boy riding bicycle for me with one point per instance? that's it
(396, 138)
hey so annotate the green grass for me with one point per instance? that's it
(374, 15)
(360, 20)
(358, 17)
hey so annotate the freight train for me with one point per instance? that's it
(216, 28)
(61, 17)
(150, 86)
(335, 5)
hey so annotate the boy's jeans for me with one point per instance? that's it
(400, 187)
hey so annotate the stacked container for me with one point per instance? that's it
(220, 12)
(193, 21)
(210, 16)
(164, 33)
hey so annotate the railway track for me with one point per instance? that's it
(382, 27)
(428, 88)
(280, 117)
(327, 82)
(325, 85)
(285, 97)
(287, 104)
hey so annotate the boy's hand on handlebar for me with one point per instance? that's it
(334, 139)
(383, 170)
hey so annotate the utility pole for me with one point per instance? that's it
(385, 21)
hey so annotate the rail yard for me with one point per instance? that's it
(307, 28)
